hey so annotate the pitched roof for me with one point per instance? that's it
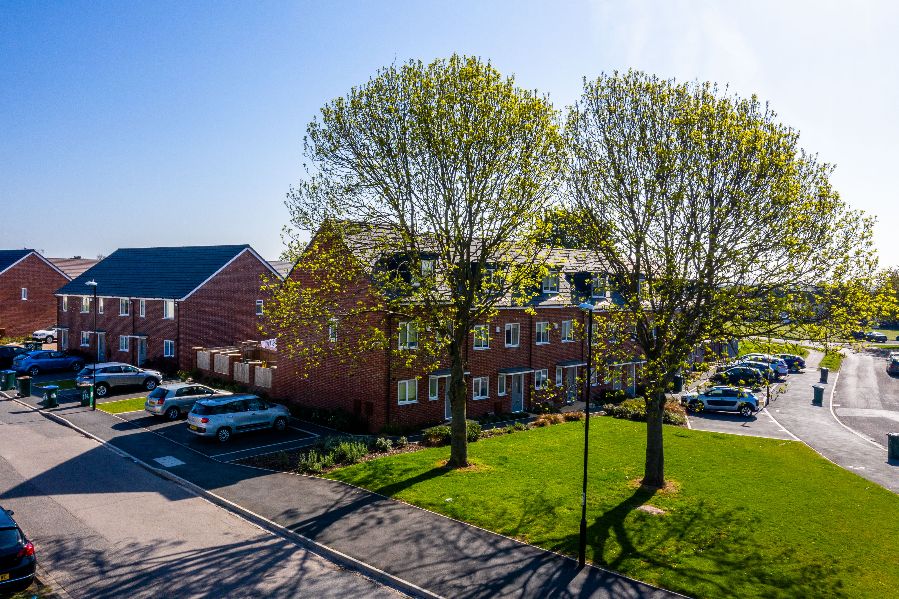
(72, 266)
(155, 273)
(283, 267)
(10, 257)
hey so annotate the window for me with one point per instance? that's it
(513, 331)
(501, 385)
(540, 377)
(600, 285)
(168, 309)
(551, 283)
(542, 333)
(332, 330)
(260, 307)
(567, 332)
(124, 306)
(427, 268)
(408, 335)
(481, 336)
(142, 308)
(24, 294)
(65, 303)
(594, 377)
(85, 338)
(123, 342)
(168, 349)
(407, 391)
(558, 376)
(480, 387)
(100, 305)
(433, 383)
(85, 303)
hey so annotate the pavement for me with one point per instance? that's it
(818, 427)
(105, 527)
(423, 553)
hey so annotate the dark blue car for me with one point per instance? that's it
(794, 363)
(45, 360)
(17, 561)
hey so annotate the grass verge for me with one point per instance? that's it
(758, 346)
(123, 405)
(832, 361)
(749, 517)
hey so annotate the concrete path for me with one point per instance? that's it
(819, 428)
(105, 527)
(442, 556)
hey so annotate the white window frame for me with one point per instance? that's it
(168, 348)
(124, 306)
(407, 329)
(594, 377)
(551, 283)
(537, 335)
(168, 309)
(540, 377)
(142, 308)
(433, 388)
(85, 338)
(601, 289)
(513, 326)
(427, 267)
(481, 334)
(332, 330)
(480, 387)
(567, 331)
(501, 385)
(123, 343)
(24, 294)
(100, 306)
(85, 304)
(559, 375)
(260, 307)
(402, 391)
(65, 303)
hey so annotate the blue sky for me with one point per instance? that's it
(129, 124)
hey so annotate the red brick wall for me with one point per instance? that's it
(18, 317)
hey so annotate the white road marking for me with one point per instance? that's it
(168, 461)
(218, 455)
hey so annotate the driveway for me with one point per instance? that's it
(866, 397)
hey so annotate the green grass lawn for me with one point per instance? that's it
(831, 360)
(759, 346)
(123, 405)
(750, 517)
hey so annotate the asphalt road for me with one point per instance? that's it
(105, 527)
(866, 397)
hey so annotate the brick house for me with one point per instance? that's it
(155, 304)
(511, 362)
(27, 284)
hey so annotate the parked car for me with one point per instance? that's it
(893, 366)
(46, 360)
(722, 398)
(777, 365)
(175, 400)
(740, 375)
(222, 417)
(118, 374)
(859, 335)
(8, 353)
(763, 367)
(17, 559)
(47, 335)
(876, 337)
(793, 362)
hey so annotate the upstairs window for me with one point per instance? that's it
(168, 309)
(601, 285)
(408, 335)
(65, 303)
(542, 333)
(142, 308)
(332, 330)
(100, 305)
(481, 336)
(567, 331)
(260, 307)
(513, 332)
(85, 303)
(24, 294)
(124, 306)
(551, 283)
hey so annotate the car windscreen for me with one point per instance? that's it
(9, 538)
(157, 393)
(86, 372)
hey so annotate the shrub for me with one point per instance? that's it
(548, 419)
(635, 409)
(572, 416)
(383, 444)
(520, 426)
(472, 431)
(402, 442)
(315, 461)
(545, 407)
(442, 433)
(349, 452)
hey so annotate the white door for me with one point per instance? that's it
(517, 392)
(101, 347)
(141, 350)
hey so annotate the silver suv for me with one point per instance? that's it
(221, 417)
(118, 374)
(175, 400)
(723, 398)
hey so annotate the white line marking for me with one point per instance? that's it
(300, 445)
(780, 426)
(218, 455)
(851, 430)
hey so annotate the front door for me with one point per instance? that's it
(571, 384)
(101, 347)
(141, 350)
(517, 392)
(63, 339)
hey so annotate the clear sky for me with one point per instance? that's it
(127, 124)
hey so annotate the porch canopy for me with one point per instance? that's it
(516, 370)
(442, 373)
(570, 364)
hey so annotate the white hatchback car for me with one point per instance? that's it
(222, 417)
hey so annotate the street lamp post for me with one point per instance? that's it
(582, 547)
(92, 283)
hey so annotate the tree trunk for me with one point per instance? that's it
(654, 470)
(459, 437)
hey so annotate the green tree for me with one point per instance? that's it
(707, 212)
(433, 175)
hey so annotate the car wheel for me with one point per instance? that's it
(77, 366)
(746, 410)
(280, 424)
(223, 434)
(150, 384)
(34, 371)
(695, 406)
(173, 413)
(102, 390)
(49, 339)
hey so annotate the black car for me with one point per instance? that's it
(8, 353)
(876, 337)
(740, 375)
(17, 559)
(794, 363)
(858, 335)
